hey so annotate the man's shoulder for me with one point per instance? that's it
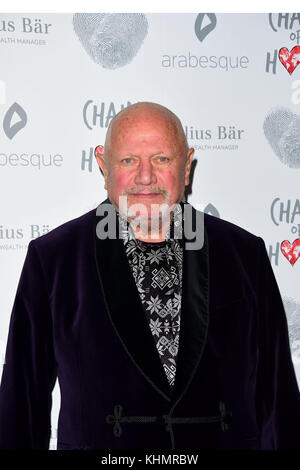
(226, 234)
(68, 232)
(219, 227)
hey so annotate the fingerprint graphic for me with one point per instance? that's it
(292, 310)
(111, 39)
(282, 130)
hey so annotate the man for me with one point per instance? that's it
(157, 343)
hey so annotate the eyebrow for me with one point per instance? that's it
(132, 155)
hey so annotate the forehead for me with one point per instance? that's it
(144, 130)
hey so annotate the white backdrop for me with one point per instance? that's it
(62, 79)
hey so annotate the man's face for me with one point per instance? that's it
(147, 163)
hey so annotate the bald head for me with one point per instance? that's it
(130, 117)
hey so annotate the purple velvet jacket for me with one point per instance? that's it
(77, 316)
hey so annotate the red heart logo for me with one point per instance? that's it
(291, 252)
(289, 60)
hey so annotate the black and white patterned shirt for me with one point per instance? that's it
(157, 271)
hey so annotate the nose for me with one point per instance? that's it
(145, 173)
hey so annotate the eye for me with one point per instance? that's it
(127, 160)
(162, 159)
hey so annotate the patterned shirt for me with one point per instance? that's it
(157, 271)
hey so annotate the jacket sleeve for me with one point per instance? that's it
(29, 372)
(278, 397)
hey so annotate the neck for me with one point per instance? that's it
(151, 236)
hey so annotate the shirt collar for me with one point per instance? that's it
(173, 234)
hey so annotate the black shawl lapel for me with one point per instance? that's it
(127, 315)
(194, 306)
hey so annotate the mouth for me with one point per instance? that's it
(145, 194)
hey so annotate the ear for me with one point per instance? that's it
(188, 164)
(99, 154)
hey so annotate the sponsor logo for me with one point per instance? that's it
(205, 23)
(97, 115)
(37, 160)
(202, 31)
(25, 26)
(32, 231)
(100, 114)
(289, 22)
(193, 61)
(15, 119)
(225, 137)
(287, 212)
(11, 238)
(15, 111)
